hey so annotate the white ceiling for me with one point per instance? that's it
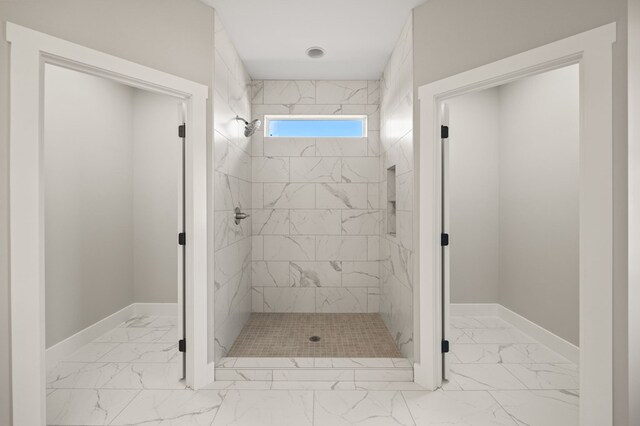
(271, 36)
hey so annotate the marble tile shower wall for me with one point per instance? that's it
(396, 149)
(316, 214)
(231, 294)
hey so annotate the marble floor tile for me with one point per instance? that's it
(172, 336)
(464, 322)
(130, 375)
(91, 352)
(164, 321)
(457, 335)
(247, 374)
(492, 322)
(82, 375)
(266, 408)
(226, 362)
(369, 408)
(139, 321)
(546, 376)
(481, 377)
(489, 353)
(319, 385)
(497, 335)
(142, 352)
(377, 386)
(171, 407)
(539, 353)
(133, 335)
(239, 385)
(354, 363)
(147, 376)
(541, 407)
(86, 406)
(456, 409)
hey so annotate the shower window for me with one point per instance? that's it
(316, 126)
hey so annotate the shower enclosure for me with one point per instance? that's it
(312, 273)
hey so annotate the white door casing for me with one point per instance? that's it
(30, 50)
(593, 51)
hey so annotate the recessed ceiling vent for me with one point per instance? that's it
(315, 52)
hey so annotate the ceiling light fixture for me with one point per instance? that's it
(315, 52)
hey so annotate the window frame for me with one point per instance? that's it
(315, 117)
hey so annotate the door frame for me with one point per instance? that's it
(593, 51)
(30, 51)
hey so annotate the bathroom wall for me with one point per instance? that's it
(142, 31)
(157, 181)
(539, 200)
(490, 30)
(514, 199)
(88, 148)
(474, 212)
(396, 147)
(231, 292)
(112, 164)
(316, 218)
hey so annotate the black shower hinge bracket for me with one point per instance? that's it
(182, 130)
(444, 240)
(444, 132)
(445, 346)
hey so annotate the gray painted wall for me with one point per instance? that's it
(494, 29)
(539, 189)
(474, 175)
(157, 157)
(514, 199)
(112, 162)
(175, 36)
(88, 197)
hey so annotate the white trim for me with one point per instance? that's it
(68, 346)
(30, 50)
(541, 334)
(593, 51)
(633, 334)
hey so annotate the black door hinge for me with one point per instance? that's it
(444, 132)
(182, 238)
(182, 345)
(445, 346)
(182, 130)
(444, 240)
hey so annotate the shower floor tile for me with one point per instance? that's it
(341, 336)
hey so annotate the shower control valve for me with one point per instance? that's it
(239, 215)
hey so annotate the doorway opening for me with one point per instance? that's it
(510, 218)
(31, 52)
(114, 208)
(592, 51)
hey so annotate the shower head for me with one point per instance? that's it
(249, 128)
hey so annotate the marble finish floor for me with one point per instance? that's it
(341, 336)
(499, 376)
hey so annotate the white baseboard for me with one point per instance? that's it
(71, 344)
(542, 335)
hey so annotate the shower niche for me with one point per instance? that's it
(391, 200)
